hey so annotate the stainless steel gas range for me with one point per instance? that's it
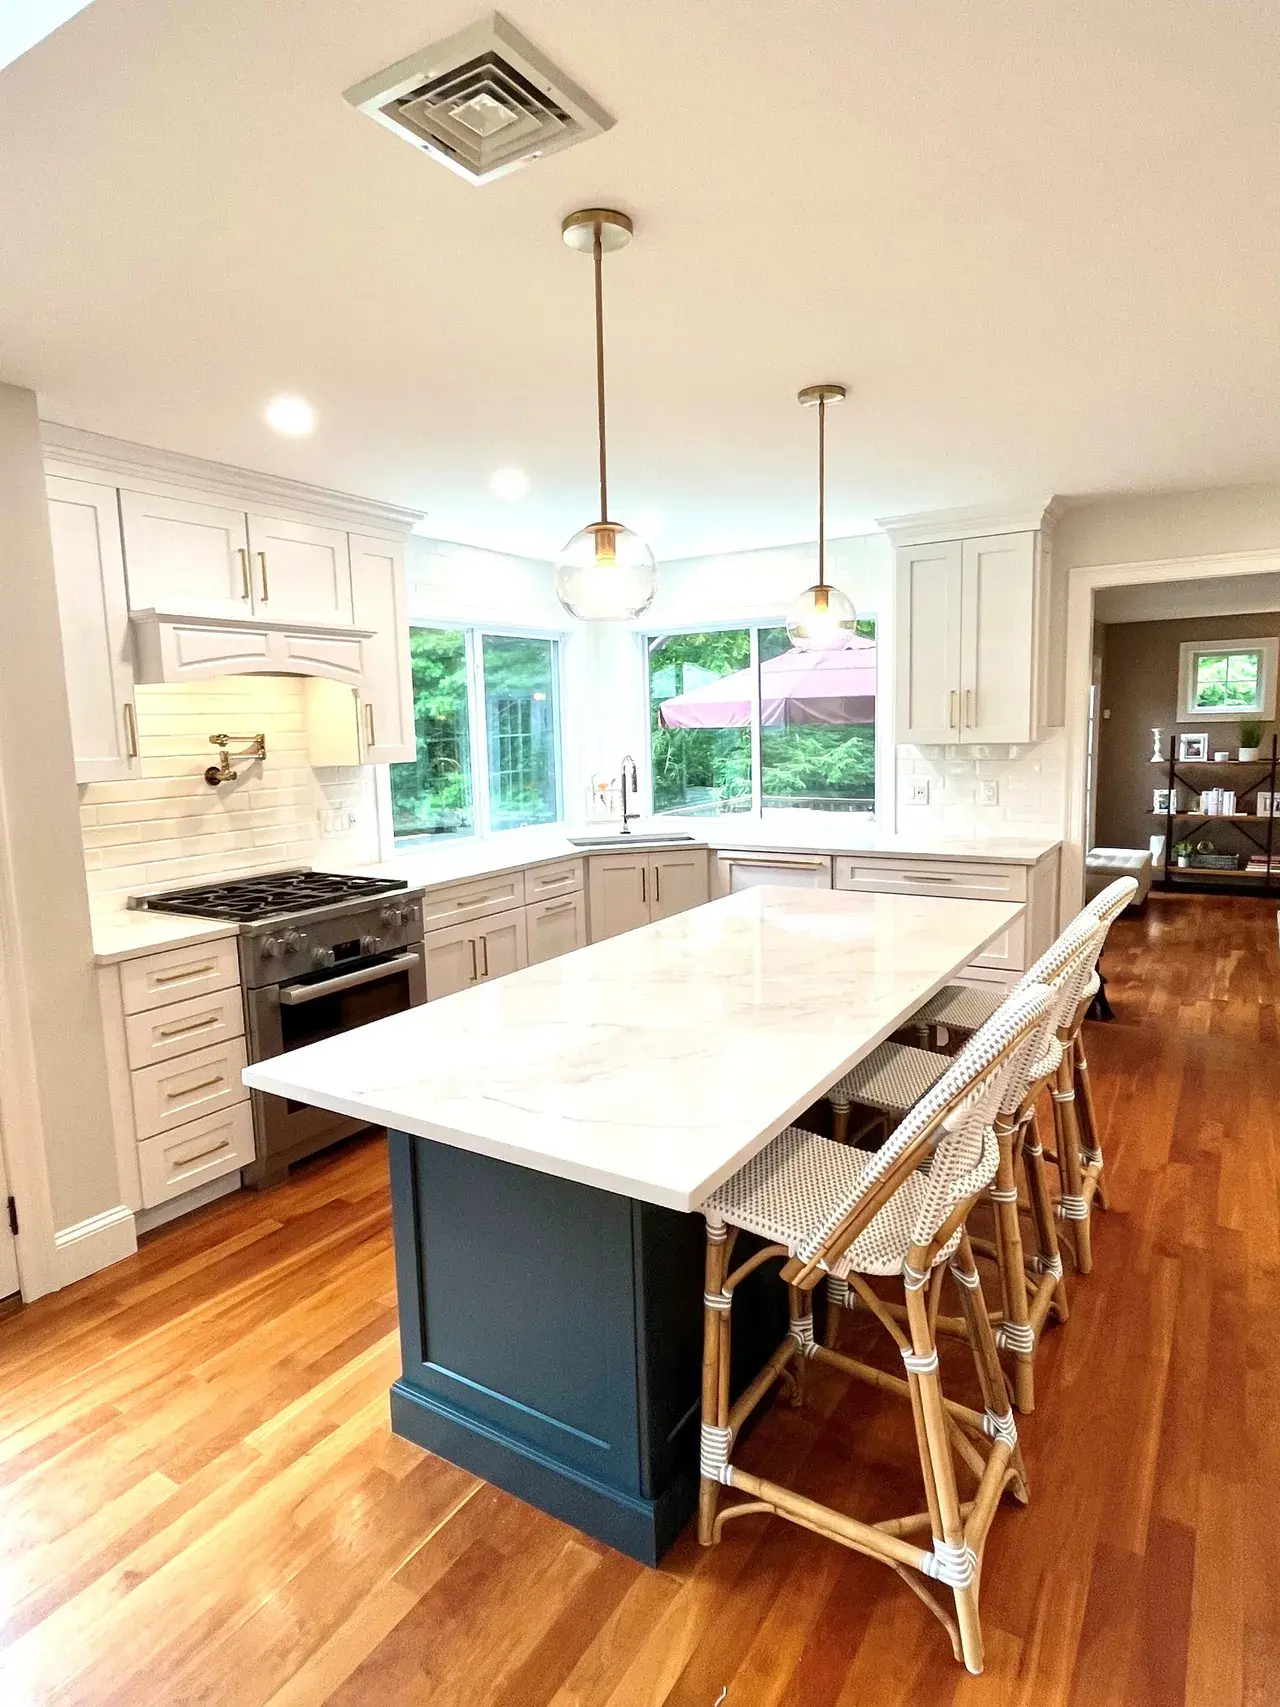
(320, 953)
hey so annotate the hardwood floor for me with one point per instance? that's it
(201, 1502)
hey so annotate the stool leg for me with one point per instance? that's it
(715, 1403)
(1071, 1203)
(1089, 1124)
(1048, 1256)
(840, 1112)
(1015, 1332)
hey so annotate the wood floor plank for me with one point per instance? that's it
(201, 1503)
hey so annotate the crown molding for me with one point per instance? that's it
(927, 527)
(125, 461)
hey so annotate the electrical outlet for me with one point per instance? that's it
(988, 793)
(337, 821)
(917, 793)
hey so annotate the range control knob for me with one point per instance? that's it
(269, 947)
(370, 944)
(323, 957)
(294, 941)
(389, 916)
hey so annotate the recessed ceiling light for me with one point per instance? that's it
(510, 483)
(292, 416)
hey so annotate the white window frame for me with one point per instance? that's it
(392, 842)
(753, 625)
(1268, 647)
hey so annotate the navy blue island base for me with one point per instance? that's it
(551, 1339)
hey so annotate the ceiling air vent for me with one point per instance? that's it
(483, 103)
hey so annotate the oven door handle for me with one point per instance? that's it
(293, 995)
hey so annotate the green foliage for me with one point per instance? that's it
(1226, 679)
(1251, 734)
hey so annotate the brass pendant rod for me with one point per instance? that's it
(822, 490)
(597, 253)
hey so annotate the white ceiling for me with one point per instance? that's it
(1039, 242)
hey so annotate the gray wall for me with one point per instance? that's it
(1140, 691)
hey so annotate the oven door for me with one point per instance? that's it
(307, 1010)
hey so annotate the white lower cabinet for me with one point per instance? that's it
(626, 890)
(174, 1027)
(459, 956)
(554, 928)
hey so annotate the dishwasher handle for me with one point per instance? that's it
(293, 995)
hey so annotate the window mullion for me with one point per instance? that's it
(757, 795)
(478, 729)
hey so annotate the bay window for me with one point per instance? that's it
(487, 717)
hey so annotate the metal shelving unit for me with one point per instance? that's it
(1183, 877)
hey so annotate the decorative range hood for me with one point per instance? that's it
(173, 647)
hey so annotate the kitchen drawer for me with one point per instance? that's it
(194, 1085)
(967, 880)
(461, 901)
(546, 881)
(175, 973)
(195, 1152)
(158, 1034)
(555, 927)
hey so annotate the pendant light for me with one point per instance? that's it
(822, 619)
(605, 572)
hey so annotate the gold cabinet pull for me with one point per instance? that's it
(262, 565)
(643, 891)
(484, 953)
(184, 972)
(968, 708)
(368, 723)
(130, 730)
(184, 1161)
(245, 591)
(203, 1085)
(201, 1024)
(475, 973)
(657, 885)
(951, 709)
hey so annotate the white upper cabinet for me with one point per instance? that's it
(386, 729)
(299, 572)
(928, 605)
(186, 556)
(975, 640)
(93, 606)
(997, 638)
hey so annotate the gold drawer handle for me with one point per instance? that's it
(192, 1025)
(243, 555)
(262, 565)
(560, 907)
(182, 1161)
(186, 972)
(217, 1079)
(130, 730)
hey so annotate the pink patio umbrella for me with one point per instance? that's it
(818, 688)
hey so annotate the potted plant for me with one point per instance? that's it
(1182, 852)
(1250, 740)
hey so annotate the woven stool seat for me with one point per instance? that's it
(893, 1078)
(800, 1183)
(959, 1007)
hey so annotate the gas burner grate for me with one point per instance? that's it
(277, 892)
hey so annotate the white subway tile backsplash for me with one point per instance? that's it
(168, 827)
(1030, 785)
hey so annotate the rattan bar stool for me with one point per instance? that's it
(895, 1076)
(835, 1210)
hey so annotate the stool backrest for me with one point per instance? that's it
(1108, 905)
(953, 1124)
(1064, 968)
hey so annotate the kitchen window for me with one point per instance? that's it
(740, 721)
(487, 716)
(1227, 680)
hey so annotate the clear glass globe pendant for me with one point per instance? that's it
(605, 573)
(822, 619)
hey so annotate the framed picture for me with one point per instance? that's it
(1161, 800)
(1192, 747)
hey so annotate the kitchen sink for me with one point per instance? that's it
(633, 838)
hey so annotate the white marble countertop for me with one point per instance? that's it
(119, 934)
(445, 861)
(656, 1063)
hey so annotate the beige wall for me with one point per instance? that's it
(1208, 523)
(1140, 692)
(54, 1057)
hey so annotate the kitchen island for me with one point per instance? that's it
(550, 1135)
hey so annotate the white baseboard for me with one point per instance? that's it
(147, 1220)
(93, 1244)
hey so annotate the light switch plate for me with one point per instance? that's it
(917, 793)
(989, 793)
(337, 821)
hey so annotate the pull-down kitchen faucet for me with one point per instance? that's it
(635, 789)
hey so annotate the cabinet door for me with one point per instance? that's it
(452, 960)
(927, 642)
(502, 945)
(554, 928)
(184, 556)
(300, 572)
(93, 606)
(618, 889)
(998, 638)
(677, 881)
(386, 694)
